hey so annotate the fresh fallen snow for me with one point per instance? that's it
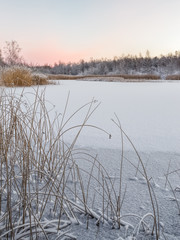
(150, 114)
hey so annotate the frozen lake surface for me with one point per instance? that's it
(149, 113)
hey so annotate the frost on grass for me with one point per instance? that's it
(45, 193)
(19, 76)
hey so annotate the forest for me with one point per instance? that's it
(162, 66)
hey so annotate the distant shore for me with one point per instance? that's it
(114, 78)
(110, 78)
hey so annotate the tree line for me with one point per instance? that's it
(162, 65)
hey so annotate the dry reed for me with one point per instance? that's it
(120, 76)
(18, 76)
(43, 189)
(173, 77)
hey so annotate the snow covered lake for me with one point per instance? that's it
(149, 113)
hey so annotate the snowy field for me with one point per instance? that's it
(149, 114)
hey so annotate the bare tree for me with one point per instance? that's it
(12, 53)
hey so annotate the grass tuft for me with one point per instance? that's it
(19, 76)
(16, 76)
(39, 79)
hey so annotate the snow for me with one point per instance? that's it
(150, 115)
(148, 112)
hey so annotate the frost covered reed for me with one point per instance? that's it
(36, 166)
(43, 188)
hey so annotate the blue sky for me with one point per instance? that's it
(49, 31)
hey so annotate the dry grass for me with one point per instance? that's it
(21, 76)
(121, 76)
(36, 167)
(173, 77)
(141, 77)
(39, 79)
(16, 76)
(64, 77)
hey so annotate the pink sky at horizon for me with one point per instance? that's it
(49, 57)
(54, 55)
(71, 30)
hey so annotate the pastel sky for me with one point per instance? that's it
(50, 31)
